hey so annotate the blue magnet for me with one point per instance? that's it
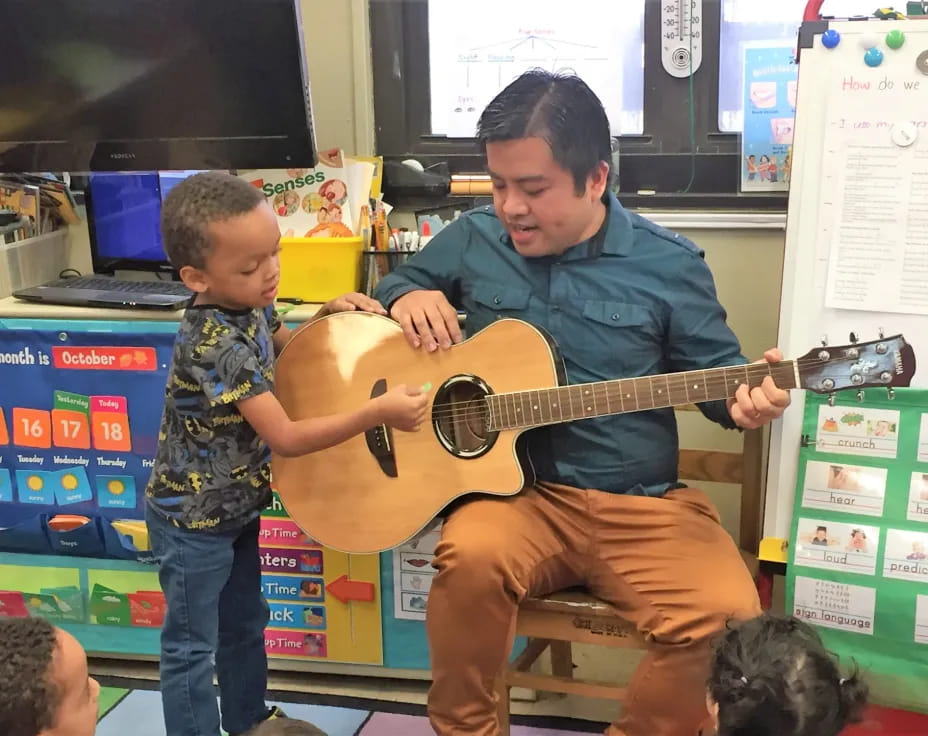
(873, 57)
(831, 38)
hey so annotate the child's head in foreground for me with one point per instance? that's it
(285, 727)
(223, 239)
(46, 690)
(773, 677)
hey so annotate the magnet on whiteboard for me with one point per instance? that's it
(873, 57)
(922, 62)
(895, 39)
(831, 38)
(869, 41)
(904, 134)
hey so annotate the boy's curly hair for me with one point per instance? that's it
(195, 203)
(285, 727)
(28, 698)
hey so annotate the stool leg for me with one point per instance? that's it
(502, 702)
(765, 585)
(562, 659)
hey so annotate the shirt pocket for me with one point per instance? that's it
(617, 339)
(492, 301)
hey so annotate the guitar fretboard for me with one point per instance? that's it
(526, 409)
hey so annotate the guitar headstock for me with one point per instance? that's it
(888, 362)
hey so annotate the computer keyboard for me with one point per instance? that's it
(171, 288)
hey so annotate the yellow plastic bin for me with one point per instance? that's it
(319, 269)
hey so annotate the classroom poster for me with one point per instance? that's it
(323, 604)
(79, 419)
(858, 567)
(413, 574)
(770, 84)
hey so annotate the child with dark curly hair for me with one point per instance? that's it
(773, 677)
(286, 727)
(46, 689)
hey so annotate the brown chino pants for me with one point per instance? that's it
(665, 563)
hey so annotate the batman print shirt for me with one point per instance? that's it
(212, 472)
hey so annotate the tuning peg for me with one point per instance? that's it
(831, 399)
(852, 338)
(824, 340)
(860, 395)
(880, 332)
(890, 393)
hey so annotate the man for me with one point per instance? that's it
(621, 297)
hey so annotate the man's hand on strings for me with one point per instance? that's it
(751, 408)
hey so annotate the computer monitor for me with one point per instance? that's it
(124, 219)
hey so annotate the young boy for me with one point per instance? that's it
(46, 689)
(211, 475)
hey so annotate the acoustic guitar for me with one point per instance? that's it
(379, 489)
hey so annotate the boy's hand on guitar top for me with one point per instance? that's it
(753, 408)
(403, 408)
(428, 319)
(352, 302)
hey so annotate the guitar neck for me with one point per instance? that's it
(527, 409)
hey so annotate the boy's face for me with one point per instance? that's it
(242, 268)
(77, 691)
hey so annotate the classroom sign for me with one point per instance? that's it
(859, 546)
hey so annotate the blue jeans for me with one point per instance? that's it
(214, 623)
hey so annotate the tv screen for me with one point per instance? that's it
(117, 85)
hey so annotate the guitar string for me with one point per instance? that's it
(596, 392)
(480, 406)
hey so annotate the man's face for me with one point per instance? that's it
(537, 201)
(77, 691)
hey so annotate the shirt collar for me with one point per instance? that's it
(613, 238)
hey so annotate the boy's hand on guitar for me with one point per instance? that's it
(352, 302)
(403, 408)
(753, 408)
(428, 319)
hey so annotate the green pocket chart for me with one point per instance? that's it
(858, 564)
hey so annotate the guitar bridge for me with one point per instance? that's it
(380, 438)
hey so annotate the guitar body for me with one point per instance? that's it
(378, 490)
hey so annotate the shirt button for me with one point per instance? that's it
(555, 308)
(496, 300)
(615, 316)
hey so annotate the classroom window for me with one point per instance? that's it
(476, 47)
(745, 21)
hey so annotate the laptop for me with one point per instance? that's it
(123, 218)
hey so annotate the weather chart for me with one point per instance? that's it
(79, 418)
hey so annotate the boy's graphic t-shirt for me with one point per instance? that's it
(212, 472)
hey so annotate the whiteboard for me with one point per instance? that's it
(856, 257)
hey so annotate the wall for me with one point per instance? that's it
(337, 44)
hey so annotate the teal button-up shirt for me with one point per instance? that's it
(633, 300)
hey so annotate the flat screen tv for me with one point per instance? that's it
(130, 85)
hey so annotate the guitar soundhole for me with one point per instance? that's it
(460, 417)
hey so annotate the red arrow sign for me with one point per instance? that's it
(351, 590)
